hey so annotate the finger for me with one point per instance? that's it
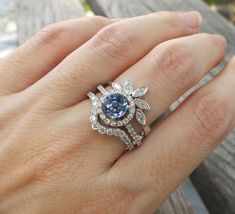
(110, 52)
(180, 142)
(174, 67)
(168, 70)
(44, 51)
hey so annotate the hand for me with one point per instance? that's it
(51, 161)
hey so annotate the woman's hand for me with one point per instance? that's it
(51, 161)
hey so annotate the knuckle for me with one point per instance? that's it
(99, 20)
(171, 19)
(211, 115)
(131, 190)
(51, 34)
(115, 40)
(177, 63)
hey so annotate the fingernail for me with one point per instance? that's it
(220, 40)
(192, 19)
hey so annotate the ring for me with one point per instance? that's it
(114, 112)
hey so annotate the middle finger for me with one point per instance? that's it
(110, 52)
(173, 67)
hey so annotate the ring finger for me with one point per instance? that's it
(169, 70)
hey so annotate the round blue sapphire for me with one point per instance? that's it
(115, 106)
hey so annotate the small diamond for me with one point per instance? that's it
(128, 126)
(94, 103)
(101, 89)
(117, 132)
(94, 100)
(132, 132)
(93, 111)
(110, 132)
(132, 103)
(119, 123)
(99, 110)
(95, 126)
(125, 121)
(102, 130)
(102, 116)
(113, 123)
(132, 110)
(93, 119)
(122, 134)
(130, 116)
(140, 117)
(107, 121)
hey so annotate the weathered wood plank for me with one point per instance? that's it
(215, 179)
(35, 14)
(177, 203)
(193, 195)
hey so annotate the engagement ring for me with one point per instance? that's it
(116, 110)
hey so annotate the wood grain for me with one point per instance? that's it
(33, 15)
(215, 178)
(177, 203)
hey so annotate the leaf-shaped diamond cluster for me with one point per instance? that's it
(140, 104)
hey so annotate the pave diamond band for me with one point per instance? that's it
(114, 111)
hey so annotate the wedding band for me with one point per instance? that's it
(114, 112)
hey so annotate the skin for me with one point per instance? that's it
(51, 161)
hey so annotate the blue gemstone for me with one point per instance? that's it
(115, 106)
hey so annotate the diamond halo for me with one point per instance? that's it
(114, 111)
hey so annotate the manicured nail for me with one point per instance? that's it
(192, 19)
